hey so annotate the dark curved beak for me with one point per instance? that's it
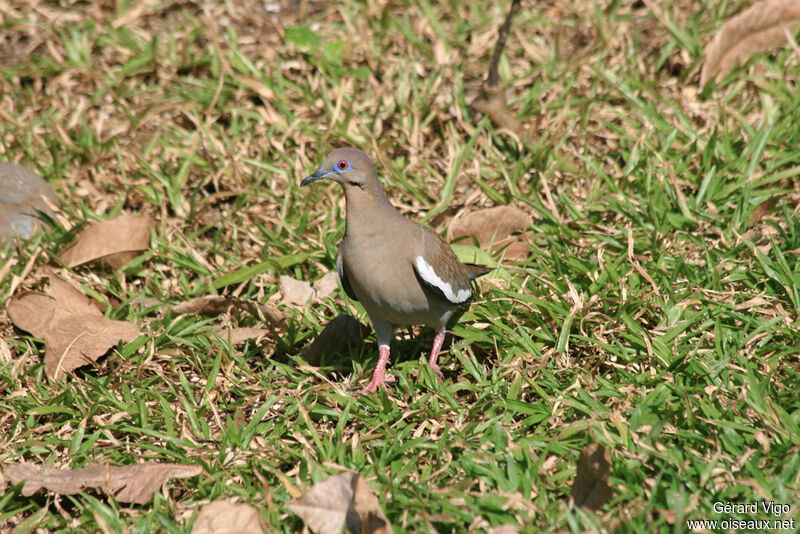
(319, 175)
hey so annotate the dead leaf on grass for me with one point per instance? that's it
(325, 285)
(129, 483)
(504, 529)
(341, 334)
(115, 241)
(591, 489)
(73, 328)
(494, 227)
(341, 501)
(761, 211)
(237, 336)
(227, 517)
(762, 26)
(295, 292)
(213, 305)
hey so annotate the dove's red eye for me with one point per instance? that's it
(343, 165)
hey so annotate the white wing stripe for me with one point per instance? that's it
(427, 273)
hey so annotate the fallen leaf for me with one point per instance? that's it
(504, 529)
(295, 292)
(341, 501)
(761, 211)
(494, 227)
(73, 328)
(129, 483)
(145, 303)
(762, 26)
(213, 305)
(237, 336)
(489, 224)
(207, 305)
(341, 334)
(115, 241)
(591, 489)
(326, 285)
(227, 517)
(22, 193)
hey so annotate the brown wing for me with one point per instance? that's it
(438, 268)
(476, 271)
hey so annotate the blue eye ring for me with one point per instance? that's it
(341, 165)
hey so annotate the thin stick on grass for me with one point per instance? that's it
(492, 100)
(493, 80)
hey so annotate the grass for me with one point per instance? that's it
(657, 313)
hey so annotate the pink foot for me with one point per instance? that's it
(437, 346)
(379, 377)
(373, 386)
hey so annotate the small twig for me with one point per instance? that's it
(493, 80)
(492, 100)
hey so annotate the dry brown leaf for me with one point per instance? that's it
(237, 336)
(326, 285)
(207, 305)
(591, 489)
(74, 330)
(295, 292)
(341, 501)
(227, 517)
(762, 26)
(129, 483)
(493, 227)
(341, 334)
(115, 241)
(761, 211)
(213, 305)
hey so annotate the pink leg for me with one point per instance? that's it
(437, 346)
(379, 377)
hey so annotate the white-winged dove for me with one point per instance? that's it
(402, 272)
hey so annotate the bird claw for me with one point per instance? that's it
(438, 372)
(373, 386)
